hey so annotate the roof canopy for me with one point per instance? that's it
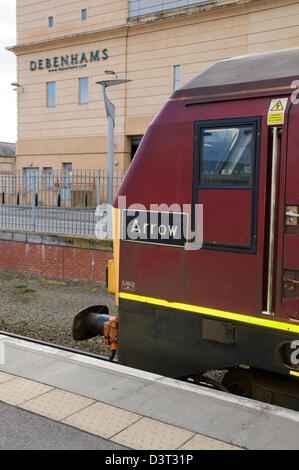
(7, 149)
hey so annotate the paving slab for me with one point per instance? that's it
(6, 377)
(19, 390)
(102, 420)
(149, 434)
(57, 404)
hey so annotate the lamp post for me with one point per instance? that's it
(17, 85)
(110, 112)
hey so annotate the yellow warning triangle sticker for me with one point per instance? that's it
(278, 106)
(277, 111)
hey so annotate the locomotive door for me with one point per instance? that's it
(226, 182)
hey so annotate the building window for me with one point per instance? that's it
(144, 7)
(83, 90)
(176, 77)
(84, 14)
(51, 21)
(135, 142)
(51, 94)
(66, 190)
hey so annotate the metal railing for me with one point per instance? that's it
(55, 202)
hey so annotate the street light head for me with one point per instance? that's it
(17, 85)
(110, 72)
(112, 82)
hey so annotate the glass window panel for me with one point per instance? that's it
(143, 7)
(83, 90)
(176, 77)
(226, 156)
(84, 14)
(48, 172)
(51, 21)
(30, 174)
(51, 94)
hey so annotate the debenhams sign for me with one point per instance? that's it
(68, 61)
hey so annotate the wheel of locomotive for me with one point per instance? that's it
(201, 379)
(238, 381)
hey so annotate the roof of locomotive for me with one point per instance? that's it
(248, 68)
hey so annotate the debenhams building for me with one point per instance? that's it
(65, 46)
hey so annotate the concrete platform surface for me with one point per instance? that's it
(129, 408)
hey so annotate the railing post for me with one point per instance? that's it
(98, 187)
(33, 218)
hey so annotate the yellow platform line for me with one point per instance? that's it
(264, 322)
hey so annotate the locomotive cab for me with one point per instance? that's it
(206, 262)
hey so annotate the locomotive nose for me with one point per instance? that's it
(90, 321)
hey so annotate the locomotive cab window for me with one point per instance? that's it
(226, 156)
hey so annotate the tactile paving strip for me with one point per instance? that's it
(199, 442)
(102, 420)
(4, 377)
(148, 434)
(19, 390)
(57, 404)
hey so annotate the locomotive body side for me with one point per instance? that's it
(183, 312)
(224, 146)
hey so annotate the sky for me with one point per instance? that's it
(8, 73)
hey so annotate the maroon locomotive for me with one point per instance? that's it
(225, 144)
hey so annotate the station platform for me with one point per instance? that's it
(54, 399)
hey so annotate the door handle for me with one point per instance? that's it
(291, 215)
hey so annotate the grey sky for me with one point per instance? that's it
(8, 74)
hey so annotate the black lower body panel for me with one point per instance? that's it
(177, 343)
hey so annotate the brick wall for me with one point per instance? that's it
(56, 260)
